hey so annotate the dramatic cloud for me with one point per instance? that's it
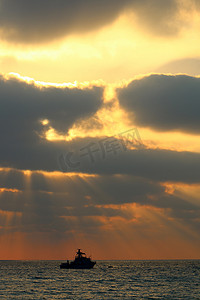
(40, 21)
(59, 204)
(53, 203)
(24, 107)
(86, 155)
(164, 102)
(159, 165)
(107, 189)
(23, 146)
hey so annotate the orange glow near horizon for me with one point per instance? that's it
(143, 231)
(134, 244)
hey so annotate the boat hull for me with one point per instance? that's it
(77, 266)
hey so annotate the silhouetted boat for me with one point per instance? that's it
(81, 262)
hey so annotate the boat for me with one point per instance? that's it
(81, 261)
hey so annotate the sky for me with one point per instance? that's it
(100, 129)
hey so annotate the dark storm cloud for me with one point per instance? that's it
(40, 21)
(159, 165)
(24, 147)
(164, 102)
(22, 108)
(21, 102)
(153, 164)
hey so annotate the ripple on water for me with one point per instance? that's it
(124, 280)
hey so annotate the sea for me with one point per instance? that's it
(175, 279)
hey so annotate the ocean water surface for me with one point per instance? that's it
(108, 280)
